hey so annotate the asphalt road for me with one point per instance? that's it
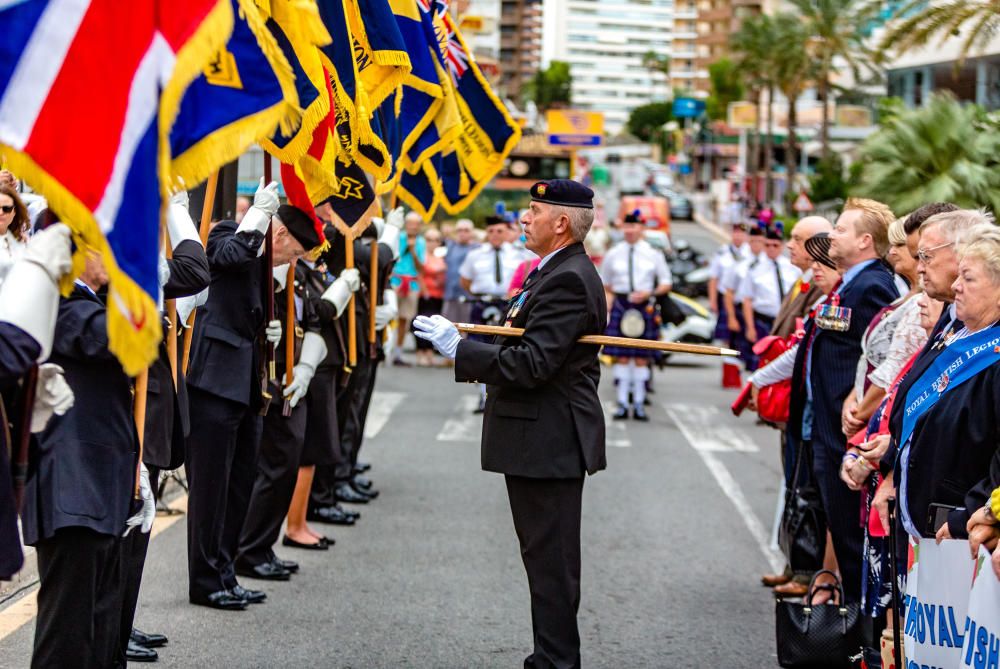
(675, 537)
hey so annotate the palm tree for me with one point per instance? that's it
(978, 21)
(793, 70)
(753, 51)
(944, 152)
(835, 29)
(657, 63)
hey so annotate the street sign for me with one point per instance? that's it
(569, 127)
(688, 108)
(741, 115)
(802, 204)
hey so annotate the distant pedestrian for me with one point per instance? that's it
(431, 298)
(406, 279)
(456, 299)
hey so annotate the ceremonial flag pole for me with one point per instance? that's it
(286, 410)
(352, 324)
(206, 220)
(373, 296)
(29, 386)
(602, 340)
(171, 306)
(139, 413)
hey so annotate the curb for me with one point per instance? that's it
(712, 228)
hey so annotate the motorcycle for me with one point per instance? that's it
(690, 270)
(685, 321)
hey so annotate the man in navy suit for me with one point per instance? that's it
(825, 368)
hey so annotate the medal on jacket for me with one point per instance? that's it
(833, 317)
(515, 307)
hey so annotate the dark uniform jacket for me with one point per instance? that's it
(167, 418)
(18, 351)
(835, 358)
(83, 470)
(543, 417)
(952, 446)
(225, 355)
(794, 308)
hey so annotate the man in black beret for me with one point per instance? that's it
(543, 426)
(225, 381)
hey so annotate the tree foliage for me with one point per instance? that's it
(646, 121)
(944, 152)
(921, 23)
(552, 87)
(727, 86)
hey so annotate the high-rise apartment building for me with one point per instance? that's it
(604, 42)
(520, 45)
(686, 69)
(717, 20)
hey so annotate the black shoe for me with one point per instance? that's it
(639, 413)
(136, 653)
(223, 599)
(266, 571)
(345, 493)
(621, 413)
(370, 493)
(322, 545)
(331, 515)
(248, 596)
(147, 640)
(361, 482)
(361, 467)
(399, 362)
(290, 565)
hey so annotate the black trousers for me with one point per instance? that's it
(843, 516)
(134, 548)
(79, 600)
(356, 422)
(221, 466)
(546, 516)
(277, 471)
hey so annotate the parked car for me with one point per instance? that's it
(680, 205)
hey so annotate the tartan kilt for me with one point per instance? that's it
(487, 312)
(652, 331)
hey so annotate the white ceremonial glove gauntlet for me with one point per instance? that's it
(144, 519)
(52, 396)
(340, 291)
(379, 224)
(265, 205)
(313, 352)
(389, 234)
(273, 332)
(185, 305)
(388, 311)
(29, 296)
(163, 270)
(440, 332)
(180, 227)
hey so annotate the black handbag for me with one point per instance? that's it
(802, 533)
(822, 636)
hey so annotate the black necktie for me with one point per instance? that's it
(497, 274)
(781, 285)
(631, 268)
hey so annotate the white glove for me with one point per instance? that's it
(144, 519)
(185, 305)
(29, 296)
(273, 332)
(388, 311)
(379, 224)
(440, 332)
(180, 227)
(52, 396)
(340, 291)
(395, 218)
(265, 205)
(389, 233)
(313, 352)
(163, 270)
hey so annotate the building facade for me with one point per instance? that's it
(520, 45)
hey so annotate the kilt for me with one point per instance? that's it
(651, 332)
(489, 311)
(722, 332)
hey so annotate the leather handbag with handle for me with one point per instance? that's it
(821, 636)
(802, 532)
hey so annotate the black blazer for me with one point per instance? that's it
(835, 358)
(225, 356)
(167, 417)
(82, 472)
(543, 417)
(952, 447)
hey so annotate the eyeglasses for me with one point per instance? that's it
(924, 255)
(7, 208)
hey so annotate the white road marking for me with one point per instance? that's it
(690, 425)
(617, 433)
(708, 432)
(382, 405)
(463, 424)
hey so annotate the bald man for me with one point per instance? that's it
(803, 294)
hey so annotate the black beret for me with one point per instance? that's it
(773, 234)
(494, 219)
(633, 217)
(740, 226)
(300, 224)
(757, 231)
(563, 192)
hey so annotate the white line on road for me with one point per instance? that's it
(463, 424)
(617, 434)
(690, 425)
(382, 405)
(709, 432)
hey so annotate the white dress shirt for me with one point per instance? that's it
(480, 267)
(648, 268)
(761, 284)
(726, 256)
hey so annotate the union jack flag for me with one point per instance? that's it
(88, 91)
(456, 54)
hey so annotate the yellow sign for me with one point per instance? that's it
(472, 24)
(568, 127)
(742, 115)
(854, 116)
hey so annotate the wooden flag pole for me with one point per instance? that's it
(352, 319)
(206, 221)
(139, 413)
(286, 410)
(602, 340)
(171, 307)
(373, 296)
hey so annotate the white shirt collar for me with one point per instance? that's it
(549, 256)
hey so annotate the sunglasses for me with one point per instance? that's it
(925, 255)
(7, 208)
